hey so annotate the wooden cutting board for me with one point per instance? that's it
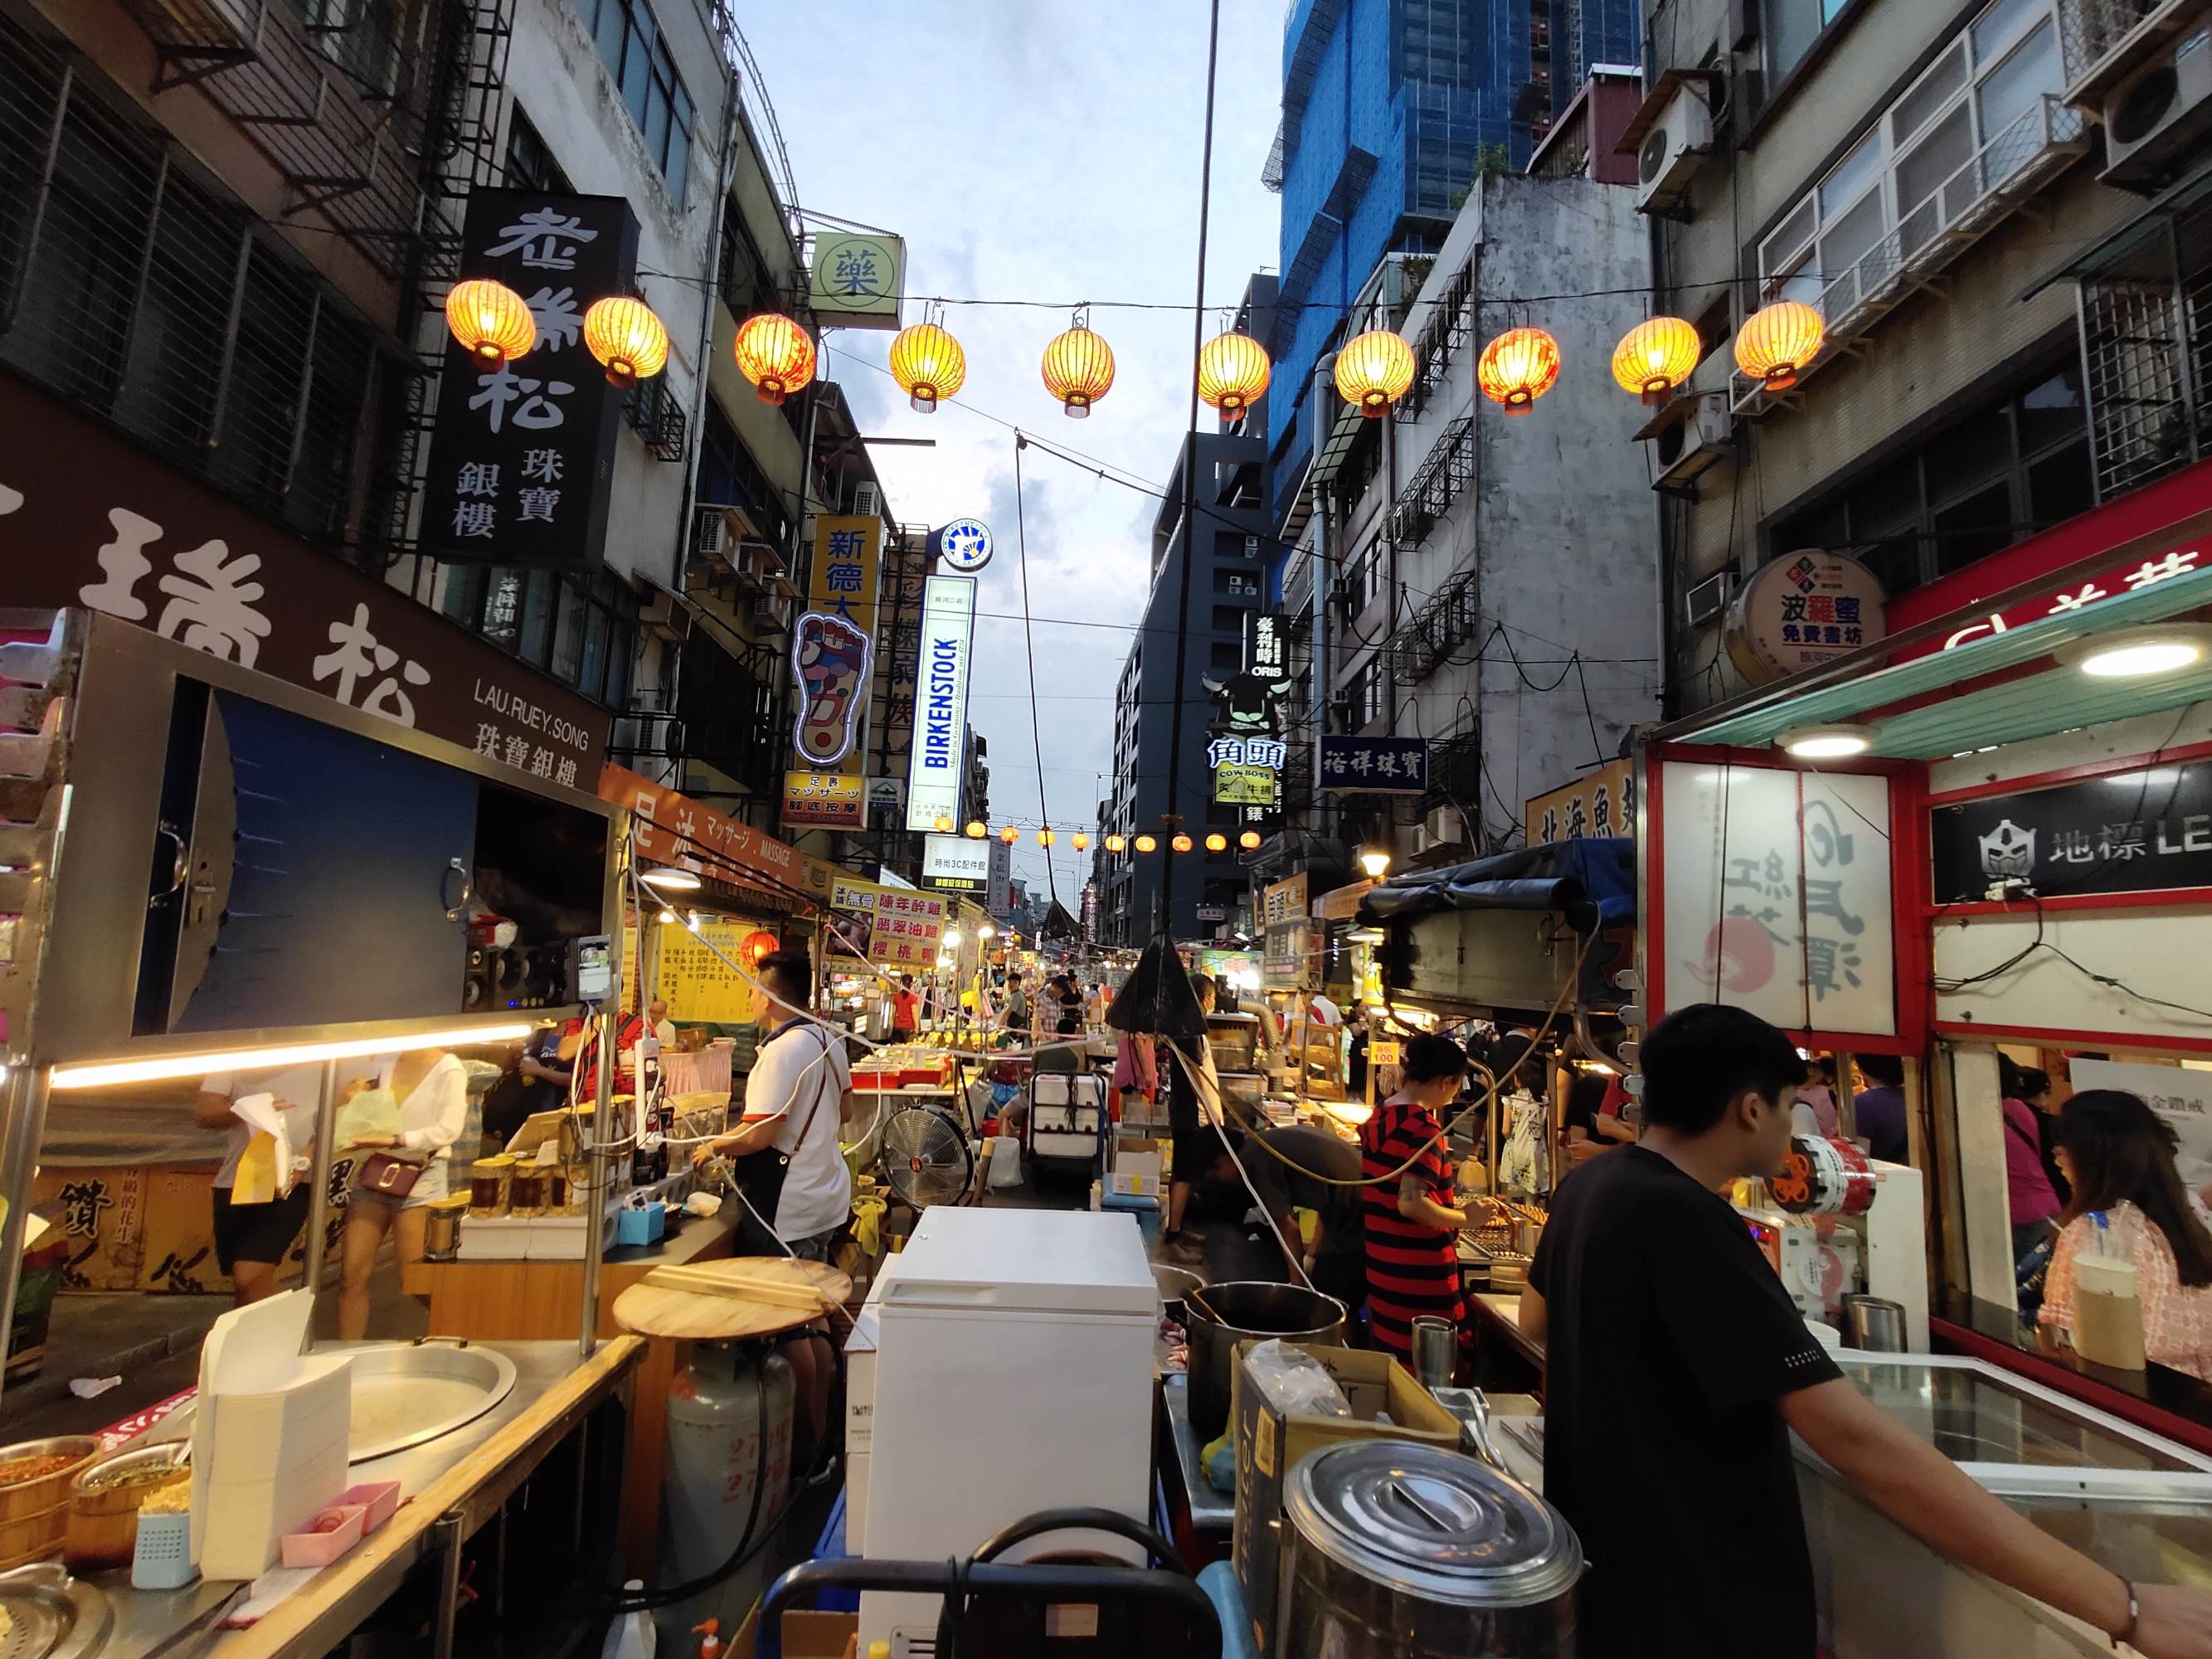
(652, 1310)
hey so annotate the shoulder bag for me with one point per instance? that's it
(760, 1174)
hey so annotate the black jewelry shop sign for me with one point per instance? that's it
(522, 456)
(2144, 831)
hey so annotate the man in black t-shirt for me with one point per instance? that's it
(1677, 1367)
(1299, 1168)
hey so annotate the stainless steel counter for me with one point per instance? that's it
(149, 1622)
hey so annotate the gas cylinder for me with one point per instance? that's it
(719, 1408)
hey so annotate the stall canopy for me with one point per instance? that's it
(1570, 876)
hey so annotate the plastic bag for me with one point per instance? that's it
(1291, 1381)
(1219, 1460)
(372, 1112)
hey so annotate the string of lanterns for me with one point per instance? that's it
(976, 830)
(493, 324)
(1374, 370)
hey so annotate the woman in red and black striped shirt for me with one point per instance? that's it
(1413, 1230)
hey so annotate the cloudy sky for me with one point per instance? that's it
(1037, 151)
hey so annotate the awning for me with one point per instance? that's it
(1585, 873)
(1342, 903)
(2012, 709)
(2119, 245)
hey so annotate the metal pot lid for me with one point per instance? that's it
(1434, 1524)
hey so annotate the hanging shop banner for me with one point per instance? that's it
(886, 795)
(1373, 766)
(849, 893)
(964, 545)
(1802, 610)
(1599, 803)
(697, 985)
(856, 279)
(997, 895)
(87, 519)
(522, 456)
(2127, 832)
(956, 864)
(818, 799)
(940, 702)
(907, 931)
(672, 829)
(1777, 895)
(831, 645)
(1246, 771)
(1285, 900)
(2182, 1097)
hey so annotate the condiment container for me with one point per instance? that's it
(488, 1179)
(103, 1500)
(35, 1513)
(441, 1225)
(527, 1190)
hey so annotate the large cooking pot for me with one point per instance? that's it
(1397, 1550)
(1220, 1316)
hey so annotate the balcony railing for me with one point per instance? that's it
(1984, 191)
(1445, 471)
(2103, 41)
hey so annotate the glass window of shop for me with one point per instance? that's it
(582, 630)
(1970, 489)
(630, 44)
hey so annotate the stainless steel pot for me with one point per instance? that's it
(1396, 1550)
(1220, 1316)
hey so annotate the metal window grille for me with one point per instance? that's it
(2147, 352)
(1448, 469)
(135, 291)
(1440, 626)
(653, 411)
(1442, 335)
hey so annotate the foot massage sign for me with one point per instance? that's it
(832, 646)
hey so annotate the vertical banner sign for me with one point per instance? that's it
(1777, 897)
(832, 646)
(522, 456)
(940, 702)
(909, 930)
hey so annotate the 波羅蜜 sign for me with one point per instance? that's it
(522, 455)
(1800, 610)
(940, 702)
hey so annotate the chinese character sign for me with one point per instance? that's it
(522, 455)
(2124, 832)
(833, 799)
(1801, 609)
(86, 519)
(908, 929)
(1599, 803)
(1776, 896)
(832, 645)
(1374, 766)
(856, 279)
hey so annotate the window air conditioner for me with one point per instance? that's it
(1707, 599)
(1688, 445)
(867, 501)
(1672, 150)
(2157, 118)
(663, 614)
(719, 529)
(1444, 827)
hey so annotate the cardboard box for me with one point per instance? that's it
(805, 1635)
(1271, 1443)
(1136, 1172)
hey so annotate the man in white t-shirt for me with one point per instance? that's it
(1323, 1011)
(797, 1099)
(252, 1240)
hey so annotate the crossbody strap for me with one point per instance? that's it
(831, 1074)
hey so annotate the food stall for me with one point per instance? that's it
(209, 870)
(1978, 837)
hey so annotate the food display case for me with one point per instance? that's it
(2133, 1502)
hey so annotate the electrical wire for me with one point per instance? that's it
(1028, 652)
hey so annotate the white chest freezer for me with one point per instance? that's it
(1013, 1374)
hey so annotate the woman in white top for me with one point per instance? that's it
(434, 1105)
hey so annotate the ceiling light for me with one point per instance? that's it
(2143, 780)
(2135, 652)
(671, 880)
(1827, 742)
(99, 1074)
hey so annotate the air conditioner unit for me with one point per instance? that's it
(1444, 827)
(1672, 150)
(1694, 441)
(721, 528)
(770, 613)
(1708, 598)
(868, 500)
(2158, 118)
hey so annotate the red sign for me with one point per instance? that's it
(2127, 576)
(674, 829)
(87, 519)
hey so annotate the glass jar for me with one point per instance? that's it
(490, 1185)
(527, 1190)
